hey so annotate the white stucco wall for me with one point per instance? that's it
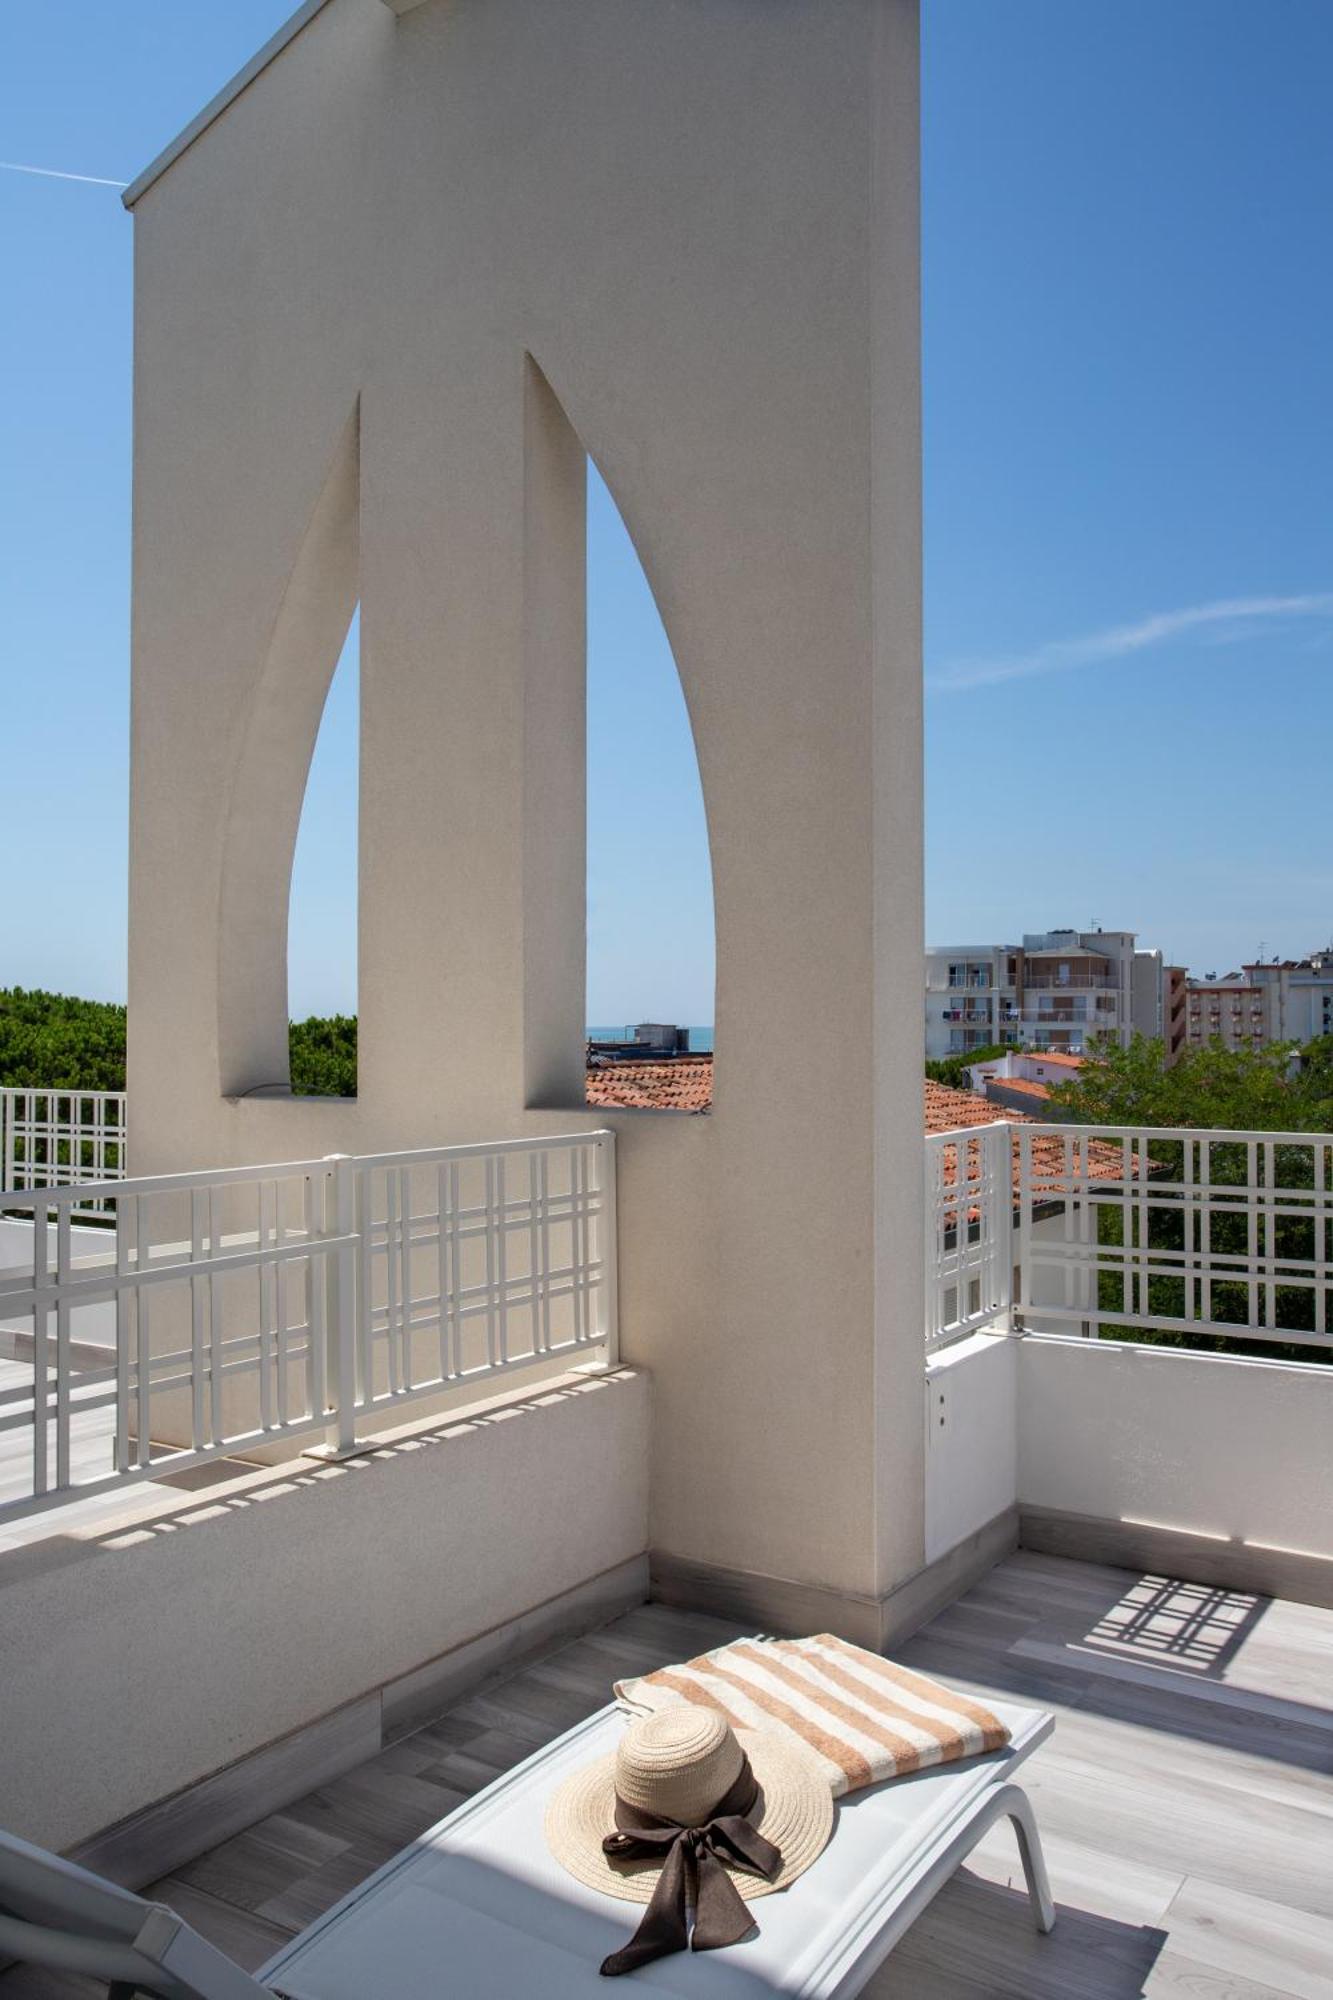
(699, 224)
(1208, 1444)
(1218, 1446)
(971, 1439)
(139, 1661)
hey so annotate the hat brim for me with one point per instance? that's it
(795, 1811)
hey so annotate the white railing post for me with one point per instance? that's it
(1019, 1247)
(1001, 1205)
(606, 1174)
(340, 1206)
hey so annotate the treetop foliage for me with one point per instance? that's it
(323, 1050)
(1285, 1088)
(52, 1041)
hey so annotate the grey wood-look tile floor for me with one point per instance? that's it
(1186, 1799)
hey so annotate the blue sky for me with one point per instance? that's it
(1129, 502)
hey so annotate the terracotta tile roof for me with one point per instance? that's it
(683, 1084)
(948, 1110)
(1057, 1056)
(1022, 1084)
(952, 1110)
(686, 1084)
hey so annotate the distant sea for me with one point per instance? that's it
(701, 1039)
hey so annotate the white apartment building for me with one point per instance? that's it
(1056, 990)
(1282, 1000)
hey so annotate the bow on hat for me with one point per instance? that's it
(693, 1874)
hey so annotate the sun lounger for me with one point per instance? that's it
(53, 1913)
(477, 1909)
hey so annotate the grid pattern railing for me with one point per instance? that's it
(475, 1261)
(1221, 1235)
(55, 1138)
(969, 1232)
(234, 1309)
(1168, 1235)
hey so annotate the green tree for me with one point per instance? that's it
(53, 1041)
(323, 1056)
(1277, 1089)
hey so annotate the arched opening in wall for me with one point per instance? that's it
(322, 910)
(618, 937)
(269, 786)
(650, 928)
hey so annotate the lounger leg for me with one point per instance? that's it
(1018, 1806)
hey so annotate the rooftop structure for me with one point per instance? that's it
(1021, 1081)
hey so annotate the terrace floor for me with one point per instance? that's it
(1185, 1799)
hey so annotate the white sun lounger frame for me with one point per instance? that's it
(477, 1907)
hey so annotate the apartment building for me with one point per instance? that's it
(1056, 990)
(1278, 1000)
(1227, 1010)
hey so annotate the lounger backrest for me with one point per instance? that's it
(54, 1913)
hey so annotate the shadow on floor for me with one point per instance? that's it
(1193, 1627)
(977, 1942)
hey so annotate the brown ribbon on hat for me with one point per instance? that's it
(693, 1874)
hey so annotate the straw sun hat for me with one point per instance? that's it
(677, 1765)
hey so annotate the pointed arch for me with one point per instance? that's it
(557, 455)
(269, 784)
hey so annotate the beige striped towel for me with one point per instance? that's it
(864, 1718)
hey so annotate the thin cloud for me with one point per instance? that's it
(55, 174)
(1223, 622)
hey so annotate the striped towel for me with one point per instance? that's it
(864, 1718)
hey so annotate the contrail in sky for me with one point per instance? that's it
(54, 174)
(1228, 618)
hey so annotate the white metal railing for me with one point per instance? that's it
(1171, 1233)
(969, 1232)
(1225, 1235)
(54, 1138)
(237, 1308)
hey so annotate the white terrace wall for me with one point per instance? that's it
(1216, 1467)
(1230, 1452)
(144, 1655)
(385, 300)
